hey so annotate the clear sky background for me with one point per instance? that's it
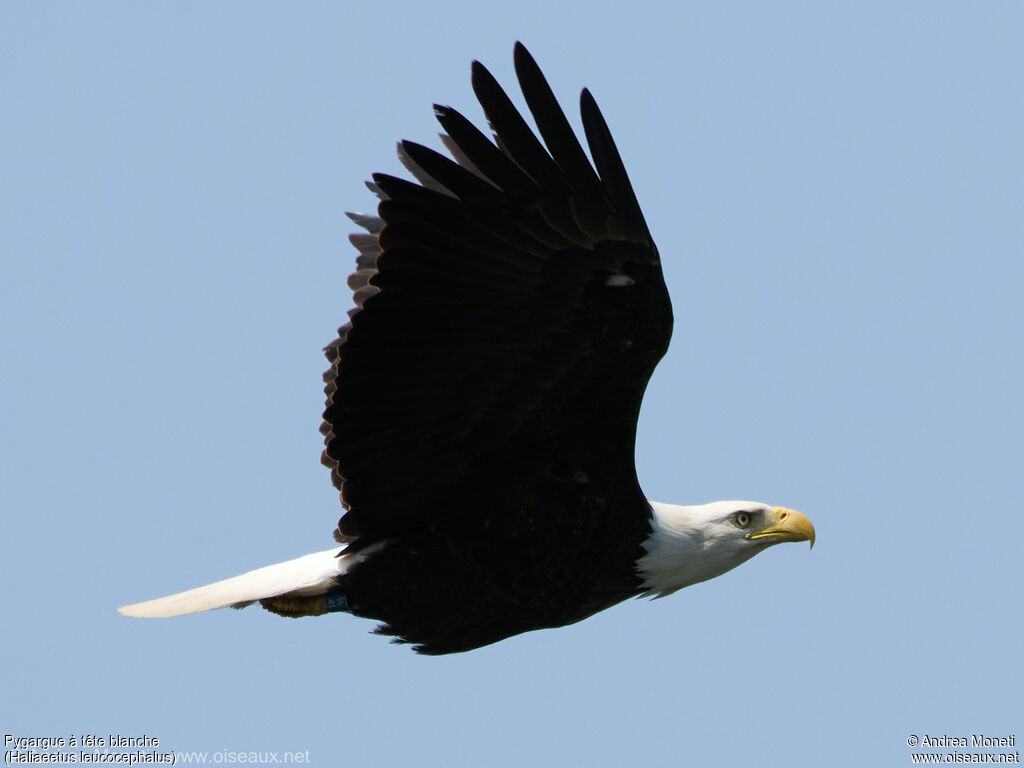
(837, 192)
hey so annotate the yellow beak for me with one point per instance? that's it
(789, 525)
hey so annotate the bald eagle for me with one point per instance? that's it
(482, 400)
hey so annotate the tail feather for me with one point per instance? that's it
(313, 574)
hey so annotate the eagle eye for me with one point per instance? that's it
(741, 519)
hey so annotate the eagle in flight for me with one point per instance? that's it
(482, 400)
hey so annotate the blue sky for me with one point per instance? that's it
(836, 190)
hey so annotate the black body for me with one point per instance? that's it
(483, 400)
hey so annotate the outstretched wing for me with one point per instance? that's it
(510, 308)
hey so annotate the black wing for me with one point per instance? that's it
(510, 309)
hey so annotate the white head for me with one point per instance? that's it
(692, 544)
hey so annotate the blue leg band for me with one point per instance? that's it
(338, 603)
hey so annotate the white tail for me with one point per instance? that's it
(308, 575)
